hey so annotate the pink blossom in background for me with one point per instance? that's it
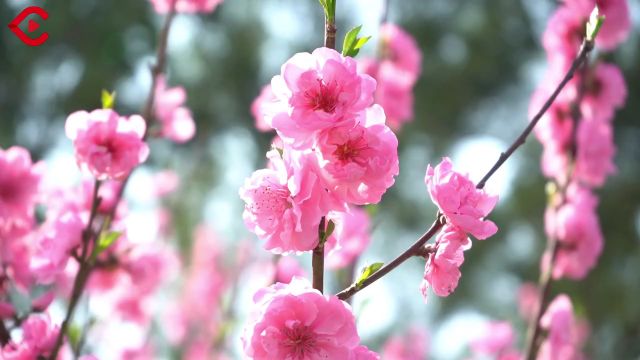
(54, 246)
(442, 270)
(165, 182)
(284, 204)
(528, 297)
(576, 227)
(263, 107)
(38, 339)
(318, 91)
(349, 239)
(412, 345)
(617, 25)
(458, 199)
(19, 188)
(606, 91)
(295, 321)
(566, 27)
(287, 268)
(563, 340)
(186, 6)
(363, 353)
(175, 119)
(396, 73)
(400, 51)
(359, 160)
(497, 341)
(107, 144)
(595, 152)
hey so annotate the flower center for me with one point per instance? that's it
(299, 340)
(270, 200)
(351, 151)
(323, 97)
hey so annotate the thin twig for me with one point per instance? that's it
(553, 246)
(580, 59)
(544, 285)
(5, 337)
(317, 258)
(330, 32)
(85, 265)
(83, 273)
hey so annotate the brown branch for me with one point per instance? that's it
(158, 67)
(553, 246)
(5, 337)
(317, 258)
(83, 272)
(580, 59)
(330, 32)
(85, 264)
(585, 49)
(544, 286)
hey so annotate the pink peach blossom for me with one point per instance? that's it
(175, 119)
(54, 247)
(263, 107)
(350, 237)
(605, 92)
(318, 91)
(497, 339)
(287, 268)
(442, 271)
(363, 353)
(109, 145)
(284, 204)
(528, 297)
(400, 51)
(294, 321)
(563, 341)
(566, 28)
(412, 345)
(186, 6)
(576, 227)
(460, 202)
(595, 151)
(19, 188)
(38, 339)
(360, 160)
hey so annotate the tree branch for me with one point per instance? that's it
(585, 49)
(83, 272)
(330, 31)
(147, 113)
(317, 258)
(553, 246)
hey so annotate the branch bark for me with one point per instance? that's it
(317, 259)
(581, 58)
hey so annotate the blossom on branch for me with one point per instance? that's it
(175, 119)
(463, 205)
(359, 160)
(107, 144)
(284, 203)
(295, 321)
(317, 91)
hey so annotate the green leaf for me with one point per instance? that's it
(108, 99)
(367, 272)
(330, 227)
(594, 24)
(352, 43)
(74, 333)
(329, 7)
(105, 240)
